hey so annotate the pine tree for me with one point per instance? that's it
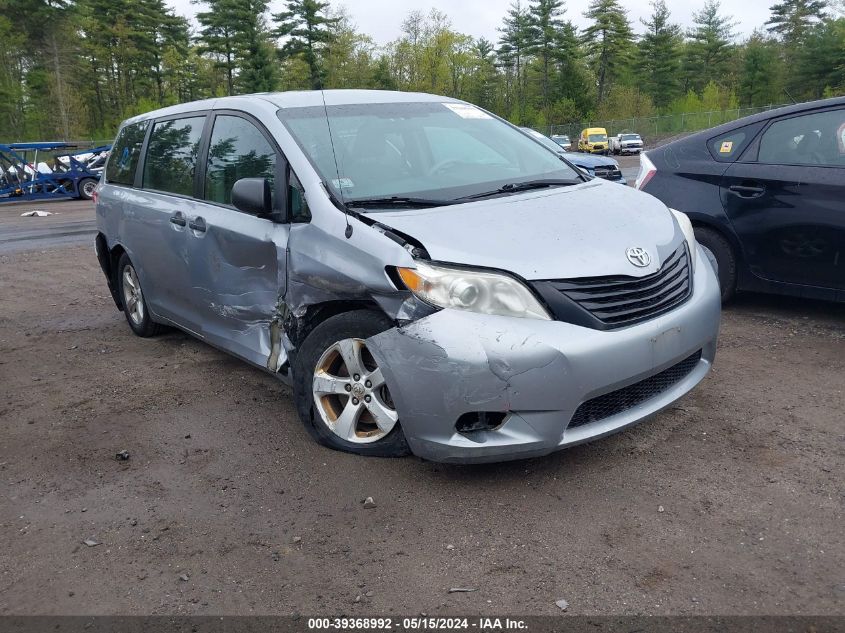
(821, 60)
(545, 38)
(791, 19)
(256, 53)
(608, 42)
(514, 44)
(709, 49)
(307, 28)
(657, 56)
(234, 33)
(218, 37)
(484, 74)
(760, 76)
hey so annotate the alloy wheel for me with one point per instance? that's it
(132, 297)
(350, 394)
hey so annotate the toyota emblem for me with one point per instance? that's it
(638, 256)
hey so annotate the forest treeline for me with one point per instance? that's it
(73, 69)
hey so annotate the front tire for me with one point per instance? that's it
(340, 392)
(725, 258)
(132, 300)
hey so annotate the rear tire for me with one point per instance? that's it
(86, 188)
(725, 258)
(132, 300)
(323, 366)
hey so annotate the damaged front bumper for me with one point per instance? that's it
(538, 373)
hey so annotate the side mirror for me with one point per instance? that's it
(252, 195)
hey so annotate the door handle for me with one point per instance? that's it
(178, 219)
(747, 191)
(198, 224)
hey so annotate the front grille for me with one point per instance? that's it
(620, 300)
(607, 172)
(628, 397)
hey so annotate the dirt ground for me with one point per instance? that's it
(729, 503)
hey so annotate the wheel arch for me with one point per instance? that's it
(108, 258)
(298, 327)
(700, 221)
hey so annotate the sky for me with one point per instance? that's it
(381, 19)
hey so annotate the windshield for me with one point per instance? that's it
(630, 137)
(439, 151)
(545, 140)
(597, 138)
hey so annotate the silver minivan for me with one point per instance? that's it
(427, 277)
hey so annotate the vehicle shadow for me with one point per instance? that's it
(779, 306)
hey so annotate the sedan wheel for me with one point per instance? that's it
(350, 394)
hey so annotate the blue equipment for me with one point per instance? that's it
(64, 173)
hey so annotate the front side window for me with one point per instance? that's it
(237, 150)
(124, 156)
(172, 155)
(429, 150)
(811, 139)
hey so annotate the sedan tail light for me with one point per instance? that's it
(647, 171)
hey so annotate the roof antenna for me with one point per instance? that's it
(348, 231)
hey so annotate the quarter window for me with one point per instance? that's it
(812, 139)
(728, 146)
(172, 155)
(299, 211)
(123, 159)
(237, 150)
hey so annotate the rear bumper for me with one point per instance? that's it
(538, 372)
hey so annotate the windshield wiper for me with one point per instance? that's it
(513, 187)
(399, 201)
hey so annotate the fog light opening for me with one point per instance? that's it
(475, 421)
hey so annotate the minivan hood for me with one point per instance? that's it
(566, 232)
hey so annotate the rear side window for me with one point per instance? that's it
(125, 154)
(811, 139)
(237, 150)
(172, 155)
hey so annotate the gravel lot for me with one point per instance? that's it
(729, 503)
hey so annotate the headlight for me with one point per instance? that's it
(472, 290)
(689, 234)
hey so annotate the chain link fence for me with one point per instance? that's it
(658, 127)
